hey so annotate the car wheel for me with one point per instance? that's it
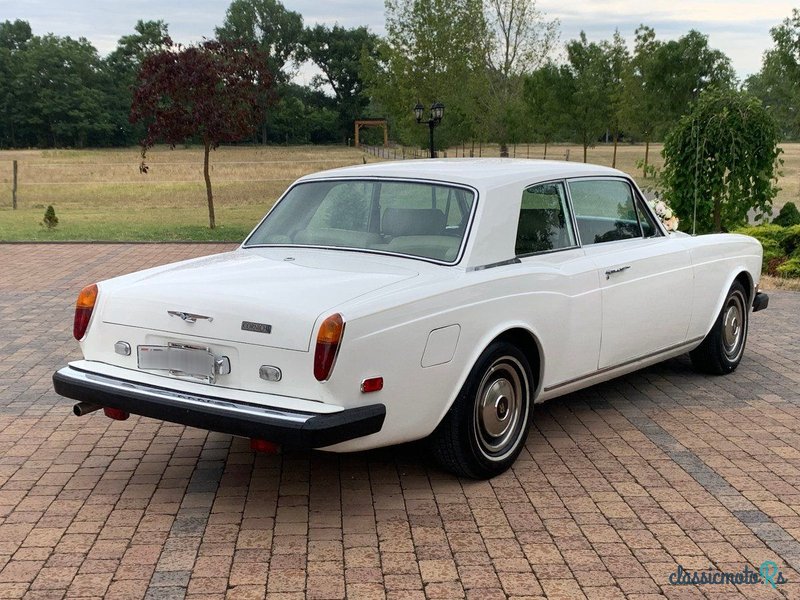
(722, 349)
(484, 431)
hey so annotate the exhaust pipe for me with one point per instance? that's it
(84, 408)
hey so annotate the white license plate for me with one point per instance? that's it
(179, 360)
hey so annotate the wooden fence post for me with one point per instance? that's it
(14, 188)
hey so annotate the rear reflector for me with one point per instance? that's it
(116, 414)
(375, 384)
(264, 446)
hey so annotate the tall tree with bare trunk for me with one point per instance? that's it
(211, 92)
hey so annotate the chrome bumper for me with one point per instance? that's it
(291, 428)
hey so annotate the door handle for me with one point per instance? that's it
(611, 272)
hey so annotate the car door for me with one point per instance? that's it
(645, 275)
(561, 283)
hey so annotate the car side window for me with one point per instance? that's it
(649, 228)
(544, 222)
(604, 210)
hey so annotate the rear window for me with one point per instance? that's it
(409, 218)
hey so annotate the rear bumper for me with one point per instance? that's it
(760, 301)
(291, 428)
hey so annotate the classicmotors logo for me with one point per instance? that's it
(768, 574)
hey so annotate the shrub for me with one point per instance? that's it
(772, 251)
(788, 216)
(791, 268)
(790, 240)
(50, 219)
(781, 247)
(764, 232)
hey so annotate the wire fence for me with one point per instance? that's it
(475, 150)
(32, 181)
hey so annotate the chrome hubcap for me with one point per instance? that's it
(733, 326)
(501, 408)
(497, 406)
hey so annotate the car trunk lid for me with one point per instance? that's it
(267, 298)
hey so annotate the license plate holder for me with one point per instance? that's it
(180, 360)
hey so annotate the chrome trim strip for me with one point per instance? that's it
(181, 398)
(622, 365)
(502, 263)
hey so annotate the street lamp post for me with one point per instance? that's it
(437, 112)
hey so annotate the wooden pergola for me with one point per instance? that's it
(373, 123)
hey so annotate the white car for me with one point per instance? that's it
(438, 299)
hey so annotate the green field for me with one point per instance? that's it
(101, 195)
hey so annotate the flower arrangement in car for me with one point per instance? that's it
(665, 214)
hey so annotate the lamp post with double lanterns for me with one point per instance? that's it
(437, 112)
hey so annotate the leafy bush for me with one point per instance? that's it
(781, 248)
(772, 251)
(788, 216)
(790, 240)
(50, 219)
(790, 268)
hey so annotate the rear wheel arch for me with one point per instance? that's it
(529, 344)
(467, 440)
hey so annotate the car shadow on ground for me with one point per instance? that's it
(415, 457)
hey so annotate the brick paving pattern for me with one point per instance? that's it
(618, 485)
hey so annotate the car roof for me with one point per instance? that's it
(479, 172)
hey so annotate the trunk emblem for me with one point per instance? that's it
(256, 327)
(188, 317)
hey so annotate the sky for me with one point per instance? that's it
(740, 28)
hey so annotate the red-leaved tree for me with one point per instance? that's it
(213, 92)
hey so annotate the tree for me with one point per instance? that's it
(277, 32)
(518, 41)
(548, 93)
(148, 38)
(722, 158)
(685, 67)
(338, 52)
(61, 89)
(14, 36)
(211, 91)
(618, 65)
(433, 50)
(592, 99)
(778, 82)
(122, 67)
(640, 111)
(664, 78)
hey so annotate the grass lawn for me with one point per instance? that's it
(101, 195)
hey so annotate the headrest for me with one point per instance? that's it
(413, 221)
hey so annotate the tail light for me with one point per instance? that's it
(83, 310)
(328, 339)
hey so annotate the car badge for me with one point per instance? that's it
(188, 317)
(256, 327)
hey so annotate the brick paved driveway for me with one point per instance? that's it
(619, 483)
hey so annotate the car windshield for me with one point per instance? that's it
(424, 220)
